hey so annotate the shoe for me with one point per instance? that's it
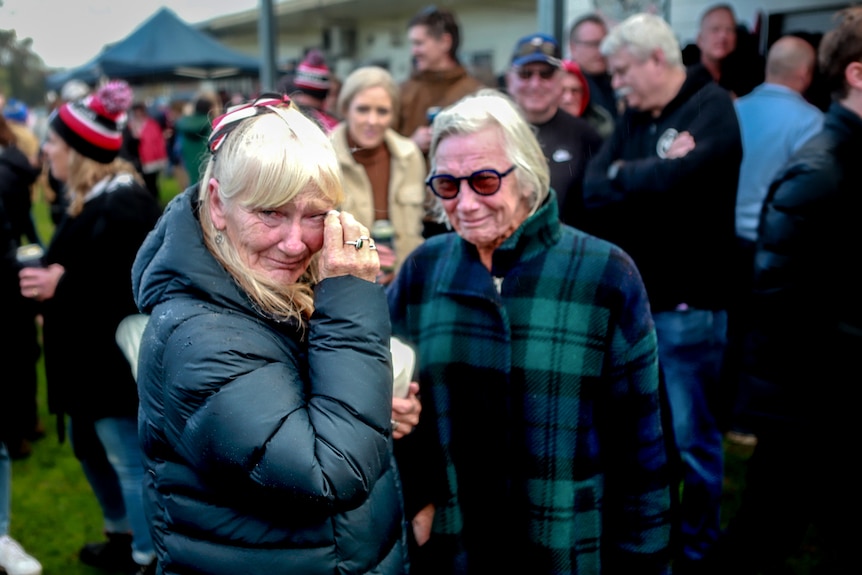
(15, 561)
(115, 554)
(741, 438)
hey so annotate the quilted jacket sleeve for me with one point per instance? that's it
(246, 406)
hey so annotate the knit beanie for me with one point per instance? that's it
(93, 125)
(312, 75)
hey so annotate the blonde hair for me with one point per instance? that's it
(364, 78)
(85, 173)
(264, 163)
(489, 107)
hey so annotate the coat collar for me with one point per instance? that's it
(463, 273)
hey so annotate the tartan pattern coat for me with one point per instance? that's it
(543, 448)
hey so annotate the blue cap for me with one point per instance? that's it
(537, 48)
(15, 110)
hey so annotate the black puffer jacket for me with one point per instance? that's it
(266, 452)
(806, 307)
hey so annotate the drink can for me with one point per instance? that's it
(383, 231)
(30, 256)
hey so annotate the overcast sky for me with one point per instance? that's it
(68, 33)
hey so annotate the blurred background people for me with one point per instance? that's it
(663, 188)
(17, 116)
(310, 88)
(193, 130)
(576, 100)
(775, 120)
(726, 50)
(144, 146)
(438, 79)
(265, 376)
(86, 285)
(801, 349)
(585, 38)
(541, 402)
(19, 417)
(535, 82)
(21, 350)
(384, 172)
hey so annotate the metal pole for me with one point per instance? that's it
(266, 41)
(550, 15)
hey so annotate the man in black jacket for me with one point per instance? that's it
(663, 188)
(801, 356)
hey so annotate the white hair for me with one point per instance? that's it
(642, 34)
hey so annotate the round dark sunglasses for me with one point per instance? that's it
(483, 182)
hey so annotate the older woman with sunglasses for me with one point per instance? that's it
(265, 375)
(540, 446)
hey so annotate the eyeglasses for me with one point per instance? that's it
(483, 182)
(537, 46)
(545, 72)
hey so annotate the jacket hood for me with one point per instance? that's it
(173, 260)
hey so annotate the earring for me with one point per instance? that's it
(219, 238)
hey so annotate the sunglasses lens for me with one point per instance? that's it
(485, 183)
(544, 73)
(445, 186)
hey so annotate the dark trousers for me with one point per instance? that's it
(795, 479)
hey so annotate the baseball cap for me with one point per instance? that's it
(537, 48)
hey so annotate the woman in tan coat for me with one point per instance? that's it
(384, 172)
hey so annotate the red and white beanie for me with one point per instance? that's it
(93, 125)
(312, 75)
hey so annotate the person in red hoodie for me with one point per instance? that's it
(576, 100)
(144, 145)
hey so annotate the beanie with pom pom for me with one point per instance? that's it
(93, 125)
(312, 75)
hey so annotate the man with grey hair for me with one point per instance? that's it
(663, 188)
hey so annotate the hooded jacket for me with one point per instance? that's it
(268, 447)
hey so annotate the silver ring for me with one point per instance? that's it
(359, 242)
(372, 245)
(394, 424)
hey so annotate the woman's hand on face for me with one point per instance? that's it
(405, 412)
(40, 283)
(338, 258)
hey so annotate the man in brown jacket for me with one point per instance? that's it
(438, 79)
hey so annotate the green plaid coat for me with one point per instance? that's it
(540, 440)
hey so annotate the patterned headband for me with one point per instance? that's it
(228, 122)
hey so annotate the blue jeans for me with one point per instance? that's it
(691, 346)
(5, 489)
(116, 475)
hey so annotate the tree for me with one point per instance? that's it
(22, 71)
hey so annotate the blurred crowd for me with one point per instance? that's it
(624, 254)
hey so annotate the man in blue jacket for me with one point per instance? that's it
(663, 188)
